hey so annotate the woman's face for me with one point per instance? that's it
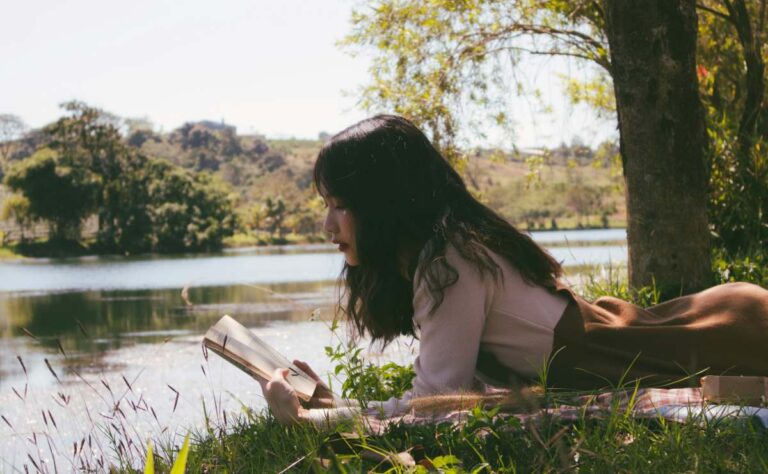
(340, 224)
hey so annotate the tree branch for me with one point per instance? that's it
(588, 46)
(545, 53)
(722, 15)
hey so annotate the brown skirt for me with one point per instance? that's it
(722, 330)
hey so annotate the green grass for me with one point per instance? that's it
(615, 443)
(7, 253)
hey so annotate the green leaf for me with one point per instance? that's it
(180, 465)
(445, 461)
(149, 466)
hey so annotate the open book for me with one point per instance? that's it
(235, 343)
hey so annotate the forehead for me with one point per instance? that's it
(325, 193)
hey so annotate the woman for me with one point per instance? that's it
(424, 257)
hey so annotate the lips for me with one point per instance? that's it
(342, 246)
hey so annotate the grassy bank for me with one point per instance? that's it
(8, 253)
(259, 239)
(615, 443)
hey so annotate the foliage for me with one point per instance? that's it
(143, 204)
(187, 211)
(738, 202)
(12, 128)
(365, 381)
(274, 215)
(610, 282)
(732, 80)
(585, 200)
(55, 191)
(486, 442)
(255, 442)
(435, 58)
(750, 268)
(16, 208)
(149, 465)
(555, 199)
(596, 92)
(265, 173)
(180, 465)
(88, 139)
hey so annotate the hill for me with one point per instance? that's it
(571, 186)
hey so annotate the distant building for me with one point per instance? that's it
(219, 126)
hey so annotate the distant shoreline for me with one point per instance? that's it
(240, 243)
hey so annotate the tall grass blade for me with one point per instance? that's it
(149, 466)
(181, 462)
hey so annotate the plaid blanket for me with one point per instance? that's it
(680, 405)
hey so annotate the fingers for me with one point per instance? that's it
(281, 397)
(306, 368)
(278, 377)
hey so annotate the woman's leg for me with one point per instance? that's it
(720, 330)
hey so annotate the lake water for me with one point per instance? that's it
(95, 345)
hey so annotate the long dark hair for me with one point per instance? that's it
(408, 204)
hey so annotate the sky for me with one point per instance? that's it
(268, 67)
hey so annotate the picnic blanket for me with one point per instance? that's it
(678, 405)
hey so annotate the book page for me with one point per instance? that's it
(242, 347)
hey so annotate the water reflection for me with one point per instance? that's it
(89, 324)
(133, 273)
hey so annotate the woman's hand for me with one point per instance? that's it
(323, 397)
(282, 398)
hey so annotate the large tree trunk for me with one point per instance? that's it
(663, 139)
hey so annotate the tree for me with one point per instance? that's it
(584, 200)
(275, 215)
(16, 208)
(139, 131)
(57, 192)
(89, 139)
(11, 128)
(188, 211)
(143, 204)
(436, 57)
(662, 141)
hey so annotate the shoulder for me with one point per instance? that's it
(449, 280)
(451, 263)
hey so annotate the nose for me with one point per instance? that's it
(330, 225)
